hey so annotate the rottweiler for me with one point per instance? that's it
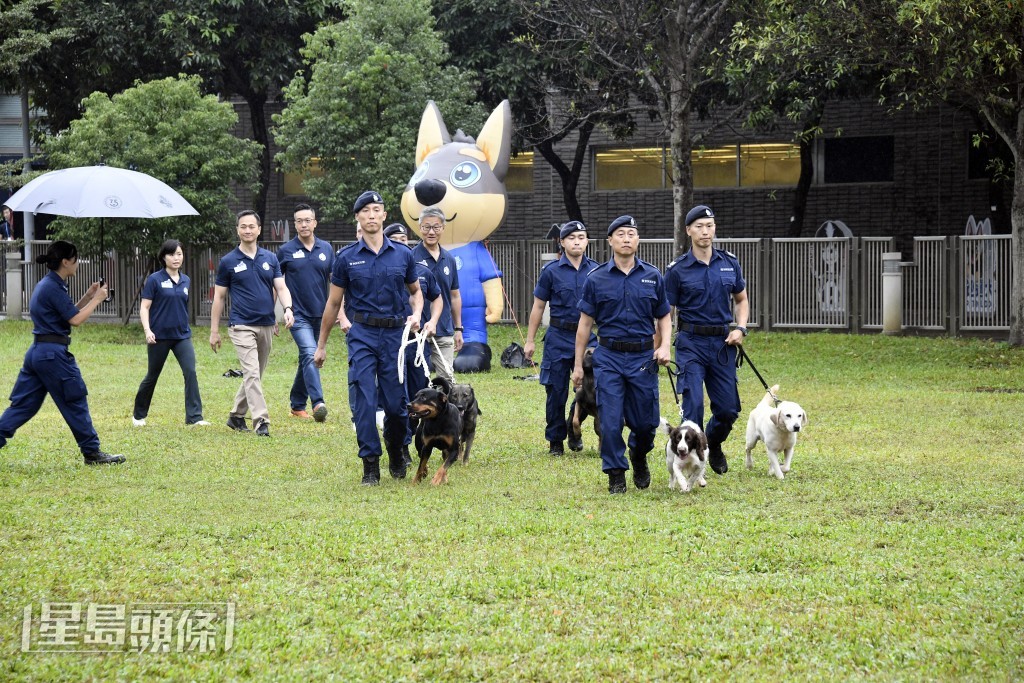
(584, 404)
(440, 427)
(464, 398)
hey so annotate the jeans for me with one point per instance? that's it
(185, 353)
(307, 384)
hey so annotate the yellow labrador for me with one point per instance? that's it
(778, 427)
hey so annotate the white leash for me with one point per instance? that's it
(419, 339)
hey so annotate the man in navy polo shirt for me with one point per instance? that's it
(306, 263)
(625, 297)
(252, 275)
(704, 286)
(442, 264)
(375, 277)
(560, 284)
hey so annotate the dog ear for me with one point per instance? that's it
(803, 419)
(777, 419)
(495, 140)
(442, 385)
(433, 133)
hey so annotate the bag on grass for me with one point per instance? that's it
(513, 356)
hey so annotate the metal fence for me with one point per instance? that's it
(951, 284)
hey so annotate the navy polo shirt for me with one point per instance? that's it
(168, 312)
(251, 283)
(431, 290)
(375, 284)
(307, 272)
(702, 293)
(561, 285)
(623, 305)
(51, 306)
(446, 272)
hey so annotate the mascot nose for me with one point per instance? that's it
(430, 192)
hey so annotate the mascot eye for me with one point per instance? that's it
(465, 174)
(420, 173)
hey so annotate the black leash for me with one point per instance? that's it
(742, 356)
(673, 375)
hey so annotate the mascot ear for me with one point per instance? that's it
(495, 139)
(433, 133)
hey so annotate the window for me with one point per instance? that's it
(293, 179)
(746, 165)
(859, 160)
(520, 173)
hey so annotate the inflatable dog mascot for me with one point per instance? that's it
(465, 178)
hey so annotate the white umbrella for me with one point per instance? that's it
(100, 192)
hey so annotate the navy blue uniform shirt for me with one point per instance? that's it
(625, 306)
(702, 294)
(375, 284)
(307, 272)
(51, 306)
(431, 290)
(168, 312)
(561, 285)
(251, 283)
(446, 273)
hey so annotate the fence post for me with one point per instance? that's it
(892, 293)
(13, 284)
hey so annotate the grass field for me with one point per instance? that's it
(892, 551)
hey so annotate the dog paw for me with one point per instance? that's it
(785, 469)
(703, 482)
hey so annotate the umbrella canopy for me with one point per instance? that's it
(100, 192)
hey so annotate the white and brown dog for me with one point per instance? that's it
(686, 455)
(778, 426)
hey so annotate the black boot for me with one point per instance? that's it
(406, 458)
(396, 460)
(371, 470)
(716, 458)
(616, 481)
(641, 474)
(555, 448)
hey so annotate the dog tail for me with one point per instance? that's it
(772, 395)
(665, 427)
(442, 385)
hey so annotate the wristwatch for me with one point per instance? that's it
(287, 308)
(458, 329)
(742, 329)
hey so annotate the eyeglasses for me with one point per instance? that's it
(305, 221)
(431, 228)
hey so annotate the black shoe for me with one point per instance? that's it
(371, 471)
(263, 429)
(555, 448)
(575, 444)
(320, 412)
(396, 462)
(716, 458)
(101, 458)
(405, 456)
(616, 481)
(237, 423)
(641, 474)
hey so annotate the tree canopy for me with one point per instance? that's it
(356, 114)
(169, 130)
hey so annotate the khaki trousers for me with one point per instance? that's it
(252, 344)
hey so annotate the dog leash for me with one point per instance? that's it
(740, 357)
(673, 375)
(419, 339)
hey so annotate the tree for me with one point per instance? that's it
(666, 49)
(169, 130)
(356, 115)
(248, 48)
(555, 91)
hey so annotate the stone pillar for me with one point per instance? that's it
(545, 258)
(892, 293)
(13, 284)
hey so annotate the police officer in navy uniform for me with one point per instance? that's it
(626, 299)
(705, 286)
(560, 284)
(375, 277)
(306, 262)
(49, 367)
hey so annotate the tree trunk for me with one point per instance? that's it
(569, 176)
(803, 185)
(680, 147)
(258, 116)
(1016, 337)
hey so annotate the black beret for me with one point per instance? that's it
(395, 229)
(699, 211)
(627, 221)
(571, 227)
(368, 197)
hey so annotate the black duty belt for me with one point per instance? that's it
(622, 345)
(704, 330)
(569, 325)
(377, 322)
(53, 339)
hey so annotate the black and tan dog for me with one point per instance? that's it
(440, 427)
(584, 404)
(463, 397)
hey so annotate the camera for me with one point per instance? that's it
(110, 292)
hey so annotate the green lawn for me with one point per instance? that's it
(892, 551)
